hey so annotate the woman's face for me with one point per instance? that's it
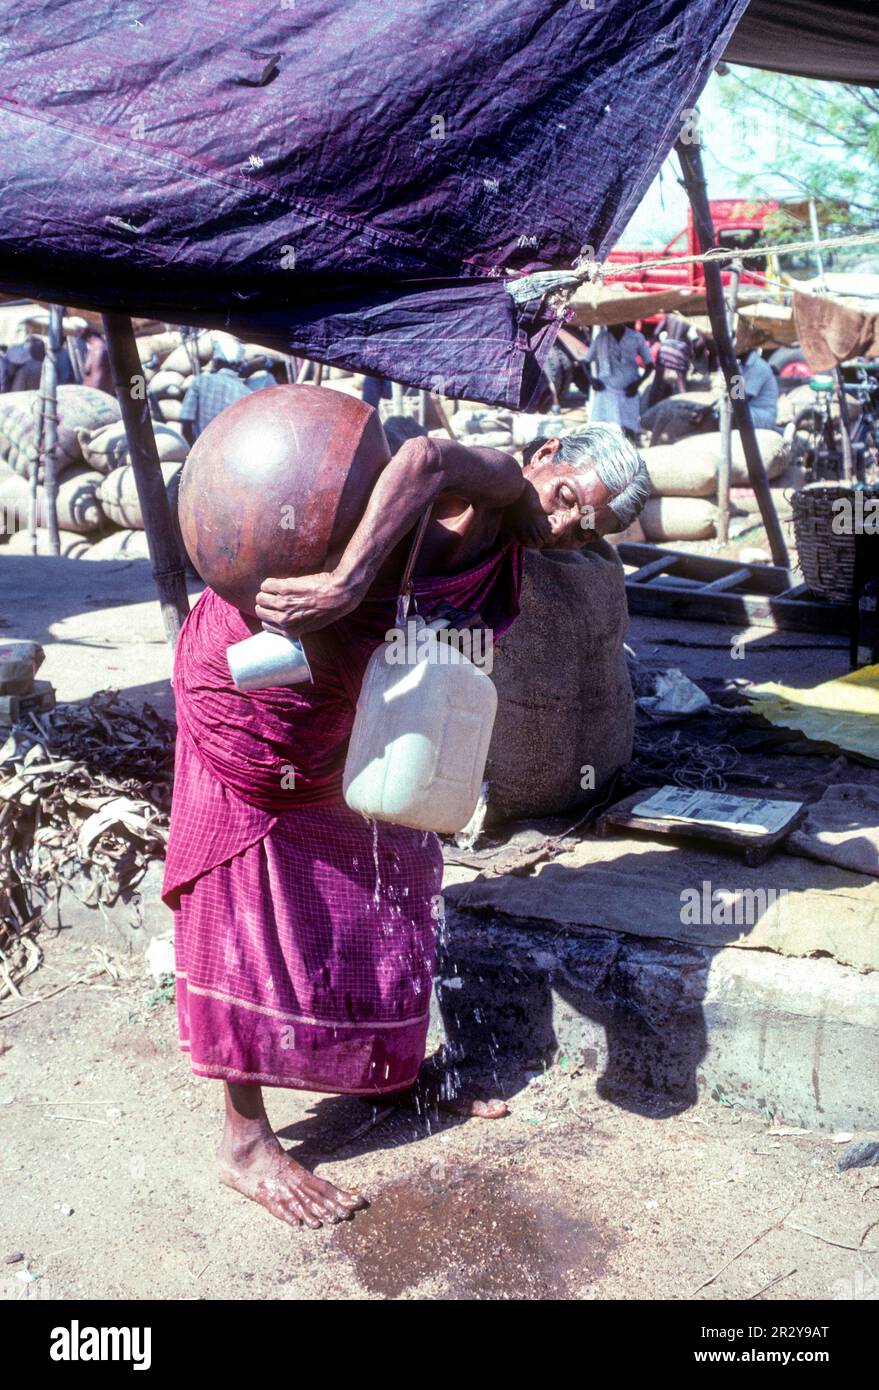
(575, 504)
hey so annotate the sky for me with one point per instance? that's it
(663, 211)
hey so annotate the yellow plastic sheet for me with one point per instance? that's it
(844, 711)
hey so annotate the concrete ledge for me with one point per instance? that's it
(129, 924)
(662, 1021)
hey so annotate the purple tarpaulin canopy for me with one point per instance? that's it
(348, 181)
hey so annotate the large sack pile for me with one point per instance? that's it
(79, 407)
(73, 547)
(118, 495)
(77, 504)
(169, 367)
(683, 477)
(107, 448)
(96, 498)
(565, 719)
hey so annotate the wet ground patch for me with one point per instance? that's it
(483, 1232)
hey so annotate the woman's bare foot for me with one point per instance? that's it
(253, 1162)
(265, 1173)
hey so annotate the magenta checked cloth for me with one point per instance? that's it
(304, 933)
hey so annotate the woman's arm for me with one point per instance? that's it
(414, 478)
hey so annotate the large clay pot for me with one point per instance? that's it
(275, 487)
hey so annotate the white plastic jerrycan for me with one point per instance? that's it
(421, 733)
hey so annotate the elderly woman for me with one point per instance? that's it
(305, 934)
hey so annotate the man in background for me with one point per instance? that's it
(96, 367)
(674, 358)
(761, 390)
(614, 355)
(24, 364)
(212, 391)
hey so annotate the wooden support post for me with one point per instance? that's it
(49, 394)
(33, 501)
(724, 472)
(690, 156)
(130, 384)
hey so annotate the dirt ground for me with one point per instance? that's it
(107, 1188)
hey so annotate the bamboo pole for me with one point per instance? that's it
(49, 395)
(130, 384)
(690, 156)
(848, 471)
(33, 500)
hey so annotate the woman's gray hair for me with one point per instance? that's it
(605, 450)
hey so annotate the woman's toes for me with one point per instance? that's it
(354, 1201)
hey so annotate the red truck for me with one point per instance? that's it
(738, 225)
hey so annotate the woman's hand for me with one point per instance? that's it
(527, 522)
(313, 601)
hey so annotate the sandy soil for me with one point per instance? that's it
(107, 1187)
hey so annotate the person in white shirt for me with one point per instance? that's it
(613, 356)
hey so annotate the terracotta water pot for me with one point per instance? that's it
(275, 487)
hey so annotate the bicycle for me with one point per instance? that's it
(815, 437)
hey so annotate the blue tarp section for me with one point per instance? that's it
(350, 180)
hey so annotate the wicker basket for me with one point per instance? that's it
(827, 557)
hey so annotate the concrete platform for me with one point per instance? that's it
(663, 1023)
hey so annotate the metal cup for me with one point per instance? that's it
(267, 659)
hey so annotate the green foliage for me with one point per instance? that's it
(820, 138)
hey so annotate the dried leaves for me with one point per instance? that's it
(85, 792)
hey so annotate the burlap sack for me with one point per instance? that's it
(689, 467)
(679, 519)
(565, 717)
(73, 547)
(167, 383)
(804, 398)
(118, 495)
(107, 448)
(169, 409)
(180, 360)
(77, 505)
(676, 472)
(120, 545)
(79, 407)
(158, 345)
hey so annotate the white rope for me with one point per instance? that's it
(603, 270)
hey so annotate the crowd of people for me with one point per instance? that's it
(613, 365)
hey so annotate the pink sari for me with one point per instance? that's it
(304, 933)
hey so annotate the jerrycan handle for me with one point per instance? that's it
(405, 593)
